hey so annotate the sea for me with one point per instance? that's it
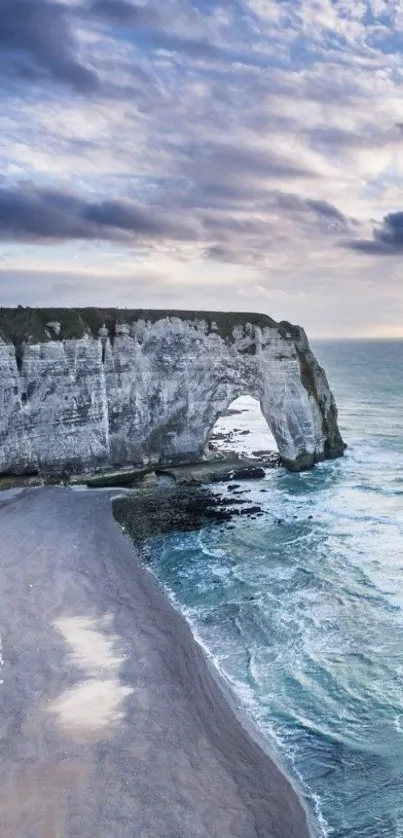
(301, 609)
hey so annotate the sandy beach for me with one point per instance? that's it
(112, 725)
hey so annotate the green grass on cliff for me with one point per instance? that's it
(18, 325)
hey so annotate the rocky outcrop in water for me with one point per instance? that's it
(82, 389)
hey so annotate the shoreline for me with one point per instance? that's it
(114, 715)
(213, 469)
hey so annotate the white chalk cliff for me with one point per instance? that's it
(89, 388)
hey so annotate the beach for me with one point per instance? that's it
(112, 724)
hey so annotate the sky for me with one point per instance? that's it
(216, 154)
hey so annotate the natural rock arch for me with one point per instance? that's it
(241, 428)
(91, 388)
(244, 391)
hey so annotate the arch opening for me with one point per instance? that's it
(241, 429)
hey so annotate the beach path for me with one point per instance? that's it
(111, 723)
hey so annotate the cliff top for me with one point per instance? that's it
(17, 325)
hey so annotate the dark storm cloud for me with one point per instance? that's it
(37, 41)
(31, 214)
(387, 239)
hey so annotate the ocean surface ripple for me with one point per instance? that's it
(301, 609)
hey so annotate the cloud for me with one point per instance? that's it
(220, 253)
(374, 137)
(237, 138)
(180, 28)
(387, 238)
(224, 176)
(48, 286)
(224, 160)
(156, 29)
(121, 12)
(32, 214)
(281, 225)
(327, 215)
(37, 41)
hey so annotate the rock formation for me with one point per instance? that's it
(82, 389)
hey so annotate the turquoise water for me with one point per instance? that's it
(304, 618)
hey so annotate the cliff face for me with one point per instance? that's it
(91, 388)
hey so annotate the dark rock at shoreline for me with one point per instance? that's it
(228, 502)
(217, 470)
(251, 510)
(271, 459)
(151, 514)
(251, 473)
(145, 515)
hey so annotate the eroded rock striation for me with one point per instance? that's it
(82, 389)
